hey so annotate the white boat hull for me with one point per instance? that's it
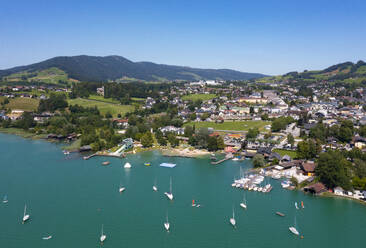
(293, 230)
(232, 222)
(121, 189)
(243, 205)
(155, 188)
(26, 217)
(169, 195)
(103, 238)
(167, 226)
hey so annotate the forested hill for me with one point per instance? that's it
(347, 72)
(93, 68)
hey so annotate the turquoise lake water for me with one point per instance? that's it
(70, 198)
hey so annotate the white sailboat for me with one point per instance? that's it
(293, 229)
(232, 219)
(5, 200)
(170, 193)
(167, 224)
(47, 238)
(103, 237)
(297, 207)
(127, 165)
(121, 189)
(155, 188)
(244, 203)
(25, 215)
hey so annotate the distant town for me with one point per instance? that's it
(313, 134)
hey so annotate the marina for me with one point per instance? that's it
(82, 195)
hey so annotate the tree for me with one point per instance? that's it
(290, 139)
(188, 131)
(332, 170)
(173, 140)
(147, 140)
(258, 161)
(252, 133)
(220, 143)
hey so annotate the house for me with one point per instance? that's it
(121, 123)
(308, 168)
(338, 191)
(172, 129)
(316, 188)
(286, 158)
(15, 114)
(100, 91)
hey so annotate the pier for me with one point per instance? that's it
(227, 157)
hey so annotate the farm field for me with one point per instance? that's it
(231, 125)
(104, 107)
(23, 103)
(195, 97)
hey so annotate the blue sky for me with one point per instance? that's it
(271, 37)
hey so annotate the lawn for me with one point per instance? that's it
(23, 103)
(283, 152)
(194, 97)
(102, 99)
(231, 125)
(103, 107)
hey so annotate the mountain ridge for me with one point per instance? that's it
(113, 67)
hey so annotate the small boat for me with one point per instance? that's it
(244, 203)
(235, 159)
(127, 165)
(293, 228)
(155, 188)
(170, 194)
(193, 204)
(147, 164)
(106, 163)
(66, 152)
(302, 204)
(198, 205)
(5, 200)
(296, 205)
(103, 237)
(121, 189)
(25, 215)
(232, 219)
(167, 224)
(280, 214)
(47, 238)
(285, 184)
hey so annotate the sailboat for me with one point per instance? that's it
(170, 194)
(5, 200)
(302, 204)
(155, 188)
(167, 224)
(127, 165)
(232, 220)
(25, 216)
(244, 203)
(293, 228)
(297, 207)
(102, 236)
(47, 238)
(193, 204)
(121, 189)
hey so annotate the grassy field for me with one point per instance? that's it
(102, 99)
(104, 107)
(51, 75)
(283, 152)
(23, 103)
(203, 97)
(231, 125)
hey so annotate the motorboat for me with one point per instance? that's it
(103, 237)
(127, 165)
(25, 215)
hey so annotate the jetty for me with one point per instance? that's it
(227, 157)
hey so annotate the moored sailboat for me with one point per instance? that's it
(167, 224)
(232, 220)
(170, 194)
(103, 237)
(25, 215)
(293, 228)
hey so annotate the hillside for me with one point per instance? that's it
(93, 68)
(347, 72)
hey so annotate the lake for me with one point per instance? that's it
(70, 198)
